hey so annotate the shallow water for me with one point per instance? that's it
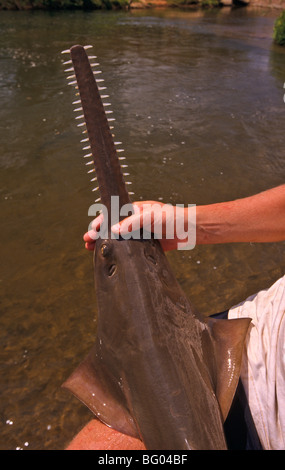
(198, 98)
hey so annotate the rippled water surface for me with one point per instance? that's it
(198, 98)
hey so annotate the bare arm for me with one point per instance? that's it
(97, 436)
(258, 218)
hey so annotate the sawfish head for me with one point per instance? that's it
(153, 350)
(158, 369)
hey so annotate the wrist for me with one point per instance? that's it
(214, 224)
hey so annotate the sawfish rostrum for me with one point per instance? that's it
(158, 370)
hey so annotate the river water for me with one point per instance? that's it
(198, 98)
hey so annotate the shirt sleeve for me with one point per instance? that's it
(263, 365)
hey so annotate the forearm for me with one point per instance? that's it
(258, 218)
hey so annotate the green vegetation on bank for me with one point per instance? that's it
(63, 4)
(96, 4)
(279, 30)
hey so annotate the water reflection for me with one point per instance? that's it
(198, 99)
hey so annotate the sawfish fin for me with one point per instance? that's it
(101, 394)
(229, 337)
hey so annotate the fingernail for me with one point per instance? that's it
(116, 228)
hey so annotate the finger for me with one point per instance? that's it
(86, 237)
(129, 224)
(97, 222)
(90, 236)
(90, 246)
(94, 226)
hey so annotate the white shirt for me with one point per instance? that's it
(263, 365)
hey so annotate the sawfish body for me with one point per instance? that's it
(158, 370)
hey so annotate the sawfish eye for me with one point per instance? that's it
(104, 250)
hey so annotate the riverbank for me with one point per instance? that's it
(268, 3)
(131, 4)
(278, 4)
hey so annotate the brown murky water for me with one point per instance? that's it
(199, 104)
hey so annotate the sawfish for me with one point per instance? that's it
(159, 370)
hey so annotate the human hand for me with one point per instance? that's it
(167, 223)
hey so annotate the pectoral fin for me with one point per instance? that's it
(229, 337)
(102, 394)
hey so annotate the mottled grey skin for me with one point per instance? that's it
(158, 370)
